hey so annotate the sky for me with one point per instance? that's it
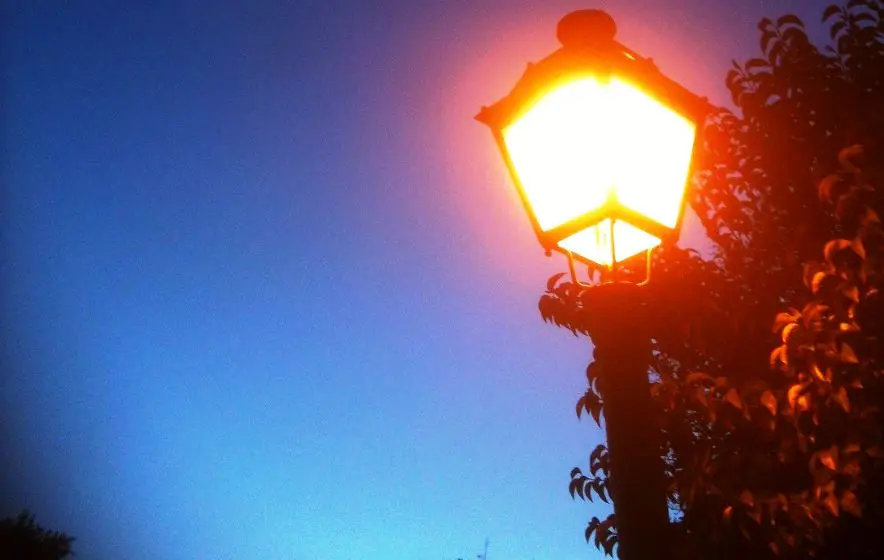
(267, 290)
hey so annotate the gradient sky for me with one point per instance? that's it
(267, 289)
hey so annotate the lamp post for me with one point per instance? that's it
(599, 144)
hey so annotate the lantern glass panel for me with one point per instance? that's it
(594, 243)
(650, 152)
(591, 144)
(557, 150)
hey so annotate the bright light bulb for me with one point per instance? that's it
(586, 142)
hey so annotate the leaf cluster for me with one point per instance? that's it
(22, 538)
(773, 435)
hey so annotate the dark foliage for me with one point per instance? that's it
(21, 538)
(774, 435)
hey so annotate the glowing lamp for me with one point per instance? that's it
(599, 144)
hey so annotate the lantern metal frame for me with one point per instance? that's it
(601, 60)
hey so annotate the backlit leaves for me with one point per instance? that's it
(850, 504)
(769, 402)
(818, 414)
(848, 356)
(769, 353)
(784, 319)
(734, 399)
(834, 247)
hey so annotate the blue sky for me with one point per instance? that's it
(267, 289)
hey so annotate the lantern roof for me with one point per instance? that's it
(589, 48)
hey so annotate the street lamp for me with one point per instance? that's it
(599, 144)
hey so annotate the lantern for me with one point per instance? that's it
(599, 144)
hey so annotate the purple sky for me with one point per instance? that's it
(267, 289)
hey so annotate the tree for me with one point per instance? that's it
(21, 538)
(773, 436)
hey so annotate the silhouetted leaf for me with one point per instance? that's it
(599, 486)
(592, 372)
(553, 281)
(608, 538)
(596, 412)
(595, 458)
(836, 29)
(603, 533)
(591, 528)
(766, 38)
(831, 11)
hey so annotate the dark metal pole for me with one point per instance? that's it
(623, 353)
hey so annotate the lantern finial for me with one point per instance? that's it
(586, 28)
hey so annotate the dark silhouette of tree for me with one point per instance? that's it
(773, 435)
(21, 538)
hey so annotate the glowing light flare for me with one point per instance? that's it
(588, 142)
